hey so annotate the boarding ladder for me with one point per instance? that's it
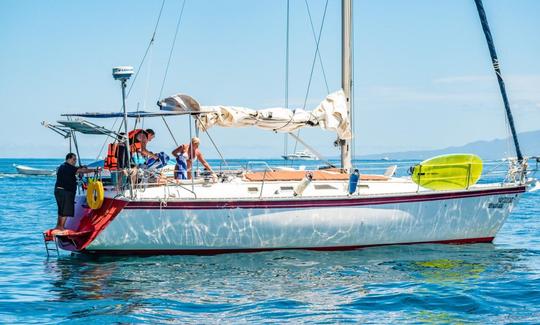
(51, 244)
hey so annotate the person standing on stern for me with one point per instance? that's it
(65, 189)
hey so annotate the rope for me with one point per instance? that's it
(147, 49)
(172, 48)
(213, 143)
(170, 132)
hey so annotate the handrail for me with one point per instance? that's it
(179, 185)
(262, 184)
(264, 163)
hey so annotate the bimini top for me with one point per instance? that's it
(139, 114)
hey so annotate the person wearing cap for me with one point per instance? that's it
(185, 155)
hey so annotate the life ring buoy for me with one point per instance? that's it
(95, 194)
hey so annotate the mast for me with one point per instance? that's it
(346, 75)
(496, 67)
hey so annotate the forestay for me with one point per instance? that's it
(331, 114)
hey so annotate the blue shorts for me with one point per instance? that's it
(180, 171)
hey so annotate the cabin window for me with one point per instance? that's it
(286, 188)
(324, 187)
(253, 189)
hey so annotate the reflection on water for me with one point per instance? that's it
(428, 283)
(483, 283)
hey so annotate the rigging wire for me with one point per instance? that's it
(148, 76)
(105, 141)
(213, 143)
(170, 132)
(172, 48)
(318, 52)
(168, 65)
(152, 39)
(496, 67)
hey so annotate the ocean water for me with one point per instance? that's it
(441, 284)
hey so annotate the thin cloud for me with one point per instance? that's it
(407, 94)
(523, 91)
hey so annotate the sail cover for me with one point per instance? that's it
(331, 114)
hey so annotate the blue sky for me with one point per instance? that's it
(423, 77)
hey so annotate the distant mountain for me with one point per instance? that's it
(488, 150)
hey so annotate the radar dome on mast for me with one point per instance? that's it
(122, 73)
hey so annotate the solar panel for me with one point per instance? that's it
(86, 127)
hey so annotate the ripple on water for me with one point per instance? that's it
(483, 283)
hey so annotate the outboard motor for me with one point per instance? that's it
(353, 181)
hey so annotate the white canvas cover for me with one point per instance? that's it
(330, 114)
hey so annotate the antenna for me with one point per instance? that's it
(123, 73)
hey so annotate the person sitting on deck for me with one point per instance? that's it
(138, 139)
(65, 189)
(185, 155)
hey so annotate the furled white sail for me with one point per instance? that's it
(331, 114)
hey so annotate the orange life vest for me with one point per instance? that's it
(135, 144)
(111, 162)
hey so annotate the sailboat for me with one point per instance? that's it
(260, 210)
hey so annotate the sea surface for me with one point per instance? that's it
(495, 283)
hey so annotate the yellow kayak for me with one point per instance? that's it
(448, 172)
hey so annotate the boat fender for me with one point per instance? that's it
(301, 187)
(353, 181)
(95, 194)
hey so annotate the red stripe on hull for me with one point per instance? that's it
(317, 202)
(147, 252)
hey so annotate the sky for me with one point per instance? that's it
(423, 75)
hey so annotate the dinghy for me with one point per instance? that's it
(26, 170)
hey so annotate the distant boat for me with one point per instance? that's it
(300, 155)
(26, 170)
(385, 158)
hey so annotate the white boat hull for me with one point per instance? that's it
(25, 170)
(299, 158)
(213, 226)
